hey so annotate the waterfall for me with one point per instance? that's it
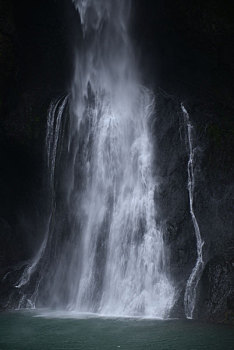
(111, 258)
(55, 113)
(192, 282)
(121, 251)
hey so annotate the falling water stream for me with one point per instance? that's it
(122, 263)
(55, 113)
(112, 261)
(191, 286)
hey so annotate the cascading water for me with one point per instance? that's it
(122, 264)
(191, 286)
(112, 258)
(55, 114)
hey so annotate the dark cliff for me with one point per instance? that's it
(187, 55)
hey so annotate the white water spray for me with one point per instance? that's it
(111, 257)
(122, 251)
(191, 286)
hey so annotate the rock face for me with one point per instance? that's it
(212, 207)
(192, 62)
(188, 56)
(35, 67)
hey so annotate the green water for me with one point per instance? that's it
(25, 331)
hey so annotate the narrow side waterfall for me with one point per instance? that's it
(191, 286)
(55, 114)
(109, 256)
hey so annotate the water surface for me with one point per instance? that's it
(27, 331)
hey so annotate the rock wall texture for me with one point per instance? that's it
(186, 53)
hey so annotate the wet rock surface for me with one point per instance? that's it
(187, 55)
(213, 195)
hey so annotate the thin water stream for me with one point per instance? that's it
(193, 280)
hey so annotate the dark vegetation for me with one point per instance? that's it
(186, 51)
